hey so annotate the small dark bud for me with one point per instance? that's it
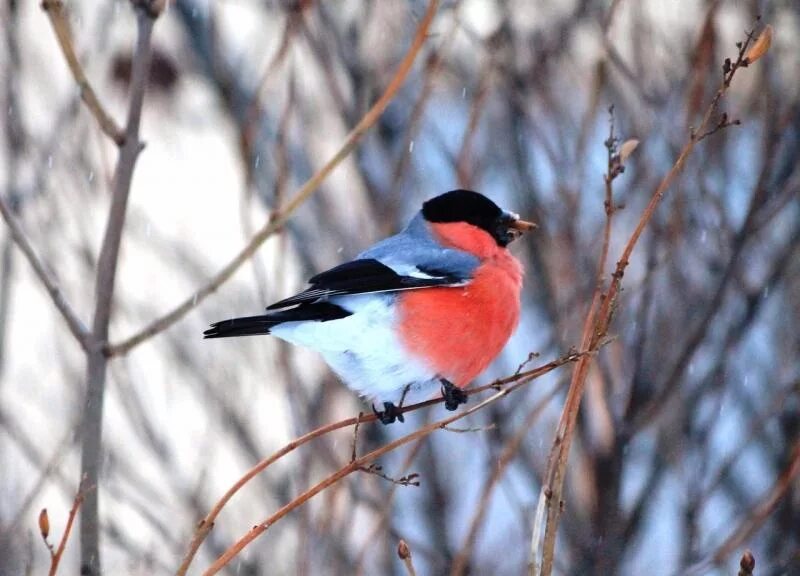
(747, 563)
(726, 66)
(403, 551)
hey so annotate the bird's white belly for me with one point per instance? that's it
(364, 350)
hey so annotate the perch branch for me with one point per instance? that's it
(362, 461)
(205, 526)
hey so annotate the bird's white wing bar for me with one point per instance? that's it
(367, 276)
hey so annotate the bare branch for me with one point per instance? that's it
(58, 18)
(596, 327)
(280, 216)
(206, 524)
(351, 467)
(92, 426)
(75, 325)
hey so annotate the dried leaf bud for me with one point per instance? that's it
(44, 523)
(761, 45)
(627, 149)
(403, 551)
(748, 562)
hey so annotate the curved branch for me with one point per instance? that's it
(358, 463)
(55, 12)
(206, 524)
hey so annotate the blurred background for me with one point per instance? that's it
(690, 423)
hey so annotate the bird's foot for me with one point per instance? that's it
(389, 414)
(453, 395)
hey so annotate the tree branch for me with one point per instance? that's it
(359, 463)
(595, 329)
(279, 218)
(92, 426)
(206, 524)
(75, 324)
(58, 18)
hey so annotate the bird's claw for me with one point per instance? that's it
(389, 414)
(453, 395)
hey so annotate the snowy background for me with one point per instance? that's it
(691, 417)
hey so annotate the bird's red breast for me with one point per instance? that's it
(459, 331)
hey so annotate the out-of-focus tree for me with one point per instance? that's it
(114, 257)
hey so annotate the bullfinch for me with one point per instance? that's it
(429, 307)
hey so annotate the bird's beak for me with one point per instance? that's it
(516, 227)
(522, 226)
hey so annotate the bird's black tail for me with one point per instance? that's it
(249, 326)
(255, 325)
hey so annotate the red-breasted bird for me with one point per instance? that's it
(430, 306)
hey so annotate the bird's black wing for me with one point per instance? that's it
(368, 275)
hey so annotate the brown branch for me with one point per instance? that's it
(92, 427)
(362, 461)
(596, 327)
(58, 18)
(55, 556)
(206, 524)
(590, 338)
(75, 324)
(758, 515)
(384, 514)
(280, 216)
(507, 455)
(763, 510)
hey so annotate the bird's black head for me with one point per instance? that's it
(476, 209)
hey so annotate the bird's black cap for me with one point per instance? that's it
(462, 206)
(470, 207)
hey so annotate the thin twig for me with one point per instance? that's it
(510, 450)
(377, 470)
(355, 465)
(280, 216)
(55, 557)
(58, 18)
(206, 524)
(756, 518)
(75, 324)
(470, 429)
(596, 327)
(590, 338)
